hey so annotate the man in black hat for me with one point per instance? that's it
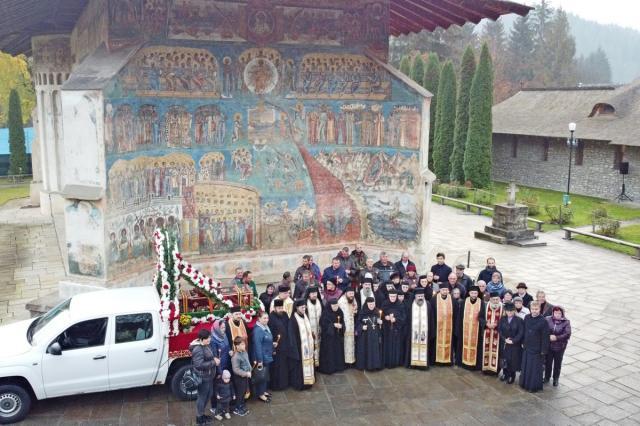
(469, 353)
(314, 310)
(236, 327)
(420, 330)
(283, 294)
(301, 348)
(463, 279)
(511, 329)
(491, 336)
(526, 297)
(279, 326)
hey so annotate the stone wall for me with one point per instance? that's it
(595, 177)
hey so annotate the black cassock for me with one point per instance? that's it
(296, 375)
(511, 355)
(535, 347)
(279, 368)
(332, 341)
(369, 341)
(393, 333)
(409, 331)
(458, 329)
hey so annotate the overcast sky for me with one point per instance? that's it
(625, 13)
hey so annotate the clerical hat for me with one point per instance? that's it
(418, 290)
(394, 275)
(283, 288)
(494, 294)
(474, 288)
(508, 306)
(368, 280)
(393, 291)
(300, 302)
(348, 289)
(277, 303)
(333, 301)
(313, 289)
(369, 299)
(234, 309)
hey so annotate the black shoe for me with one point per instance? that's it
(511, 379)
(503, 378)
(546, 380)
(206, 418)
(200, 420)
(555, 382)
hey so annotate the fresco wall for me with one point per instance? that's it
(247, 148)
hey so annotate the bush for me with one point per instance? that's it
(559, 215)
(451, 191)
(485, 198)
(599, 212)
(607, 227)
(530, 200)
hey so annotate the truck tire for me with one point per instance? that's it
(177, 386)
(15, 403)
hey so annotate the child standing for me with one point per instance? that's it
(241, 374)
(224, 395)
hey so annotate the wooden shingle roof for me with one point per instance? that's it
(548, 112)
(22, 19)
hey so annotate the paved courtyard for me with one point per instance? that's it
(600, 383)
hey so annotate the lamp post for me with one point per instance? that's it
(571, 143)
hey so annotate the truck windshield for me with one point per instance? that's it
(41, 322)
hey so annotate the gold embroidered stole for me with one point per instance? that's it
(419, 334)
(238, 330)
(470, 332)
(444, 329)
(491, 344)
(306, 349)
(314, 311)
(348, 310)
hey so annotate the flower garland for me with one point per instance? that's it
(170, 268)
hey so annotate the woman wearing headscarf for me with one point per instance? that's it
(220, 348)
(332, 341)
(267, 296)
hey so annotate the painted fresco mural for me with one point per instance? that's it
(280, 134)
(83, 229)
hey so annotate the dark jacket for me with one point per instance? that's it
(224, 391)
(486, 274)
(202, 358)
(536, 335)
(266, 299)
(262, 345)
(384, 271)
(546, 309)
(561, 329)
(333, 274)
(220, 348)
(358, 260)
(399, 268)
(466, 281)
(442, 271)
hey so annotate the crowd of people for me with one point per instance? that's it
(369, 315)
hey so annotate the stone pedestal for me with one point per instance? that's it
(510, 227)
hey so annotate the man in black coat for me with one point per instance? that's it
(463, 279)
(486, 274)
(401, 265)
(535, 346)
(522, 292)
(279, 326)
(511, 329)
(440, 270)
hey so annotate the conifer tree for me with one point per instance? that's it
(17, 148)
(417, 69)
(477, 155)
(430, 82)
(405, 66)
(445, 123)
(467, 70)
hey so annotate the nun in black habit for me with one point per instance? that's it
(332, 341)
(535, 346)
(395, 317)
(279, 326)
(369, 337)
(511, 330)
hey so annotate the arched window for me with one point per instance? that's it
(51, 79)
(59, 79)
(602, 109)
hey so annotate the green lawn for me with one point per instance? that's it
(582, 206)
(629, 233)
(13, 192)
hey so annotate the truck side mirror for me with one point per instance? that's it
(55, 349)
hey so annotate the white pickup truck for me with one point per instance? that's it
(92, 342)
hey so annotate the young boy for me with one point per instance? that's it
(224, 394)
(241, 374)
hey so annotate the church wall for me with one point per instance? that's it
(595, 177)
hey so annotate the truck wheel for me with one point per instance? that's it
(15, 403)
(177, 386)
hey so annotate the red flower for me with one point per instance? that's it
(166, 286)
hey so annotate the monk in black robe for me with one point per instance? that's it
(279, 326)
(301, 348)
(535, 345)
(420, 331)
(394, 316)
(369, 337)
(332, 341)
(470, 329)
(511, 329)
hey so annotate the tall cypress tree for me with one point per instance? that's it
(467, 70)
(477, 155)
(417, 69)
(430, 82)
(405, 66)
(445, 123)
(17, 148)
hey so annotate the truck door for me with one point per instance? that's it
(82, 365)
(135, 352)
